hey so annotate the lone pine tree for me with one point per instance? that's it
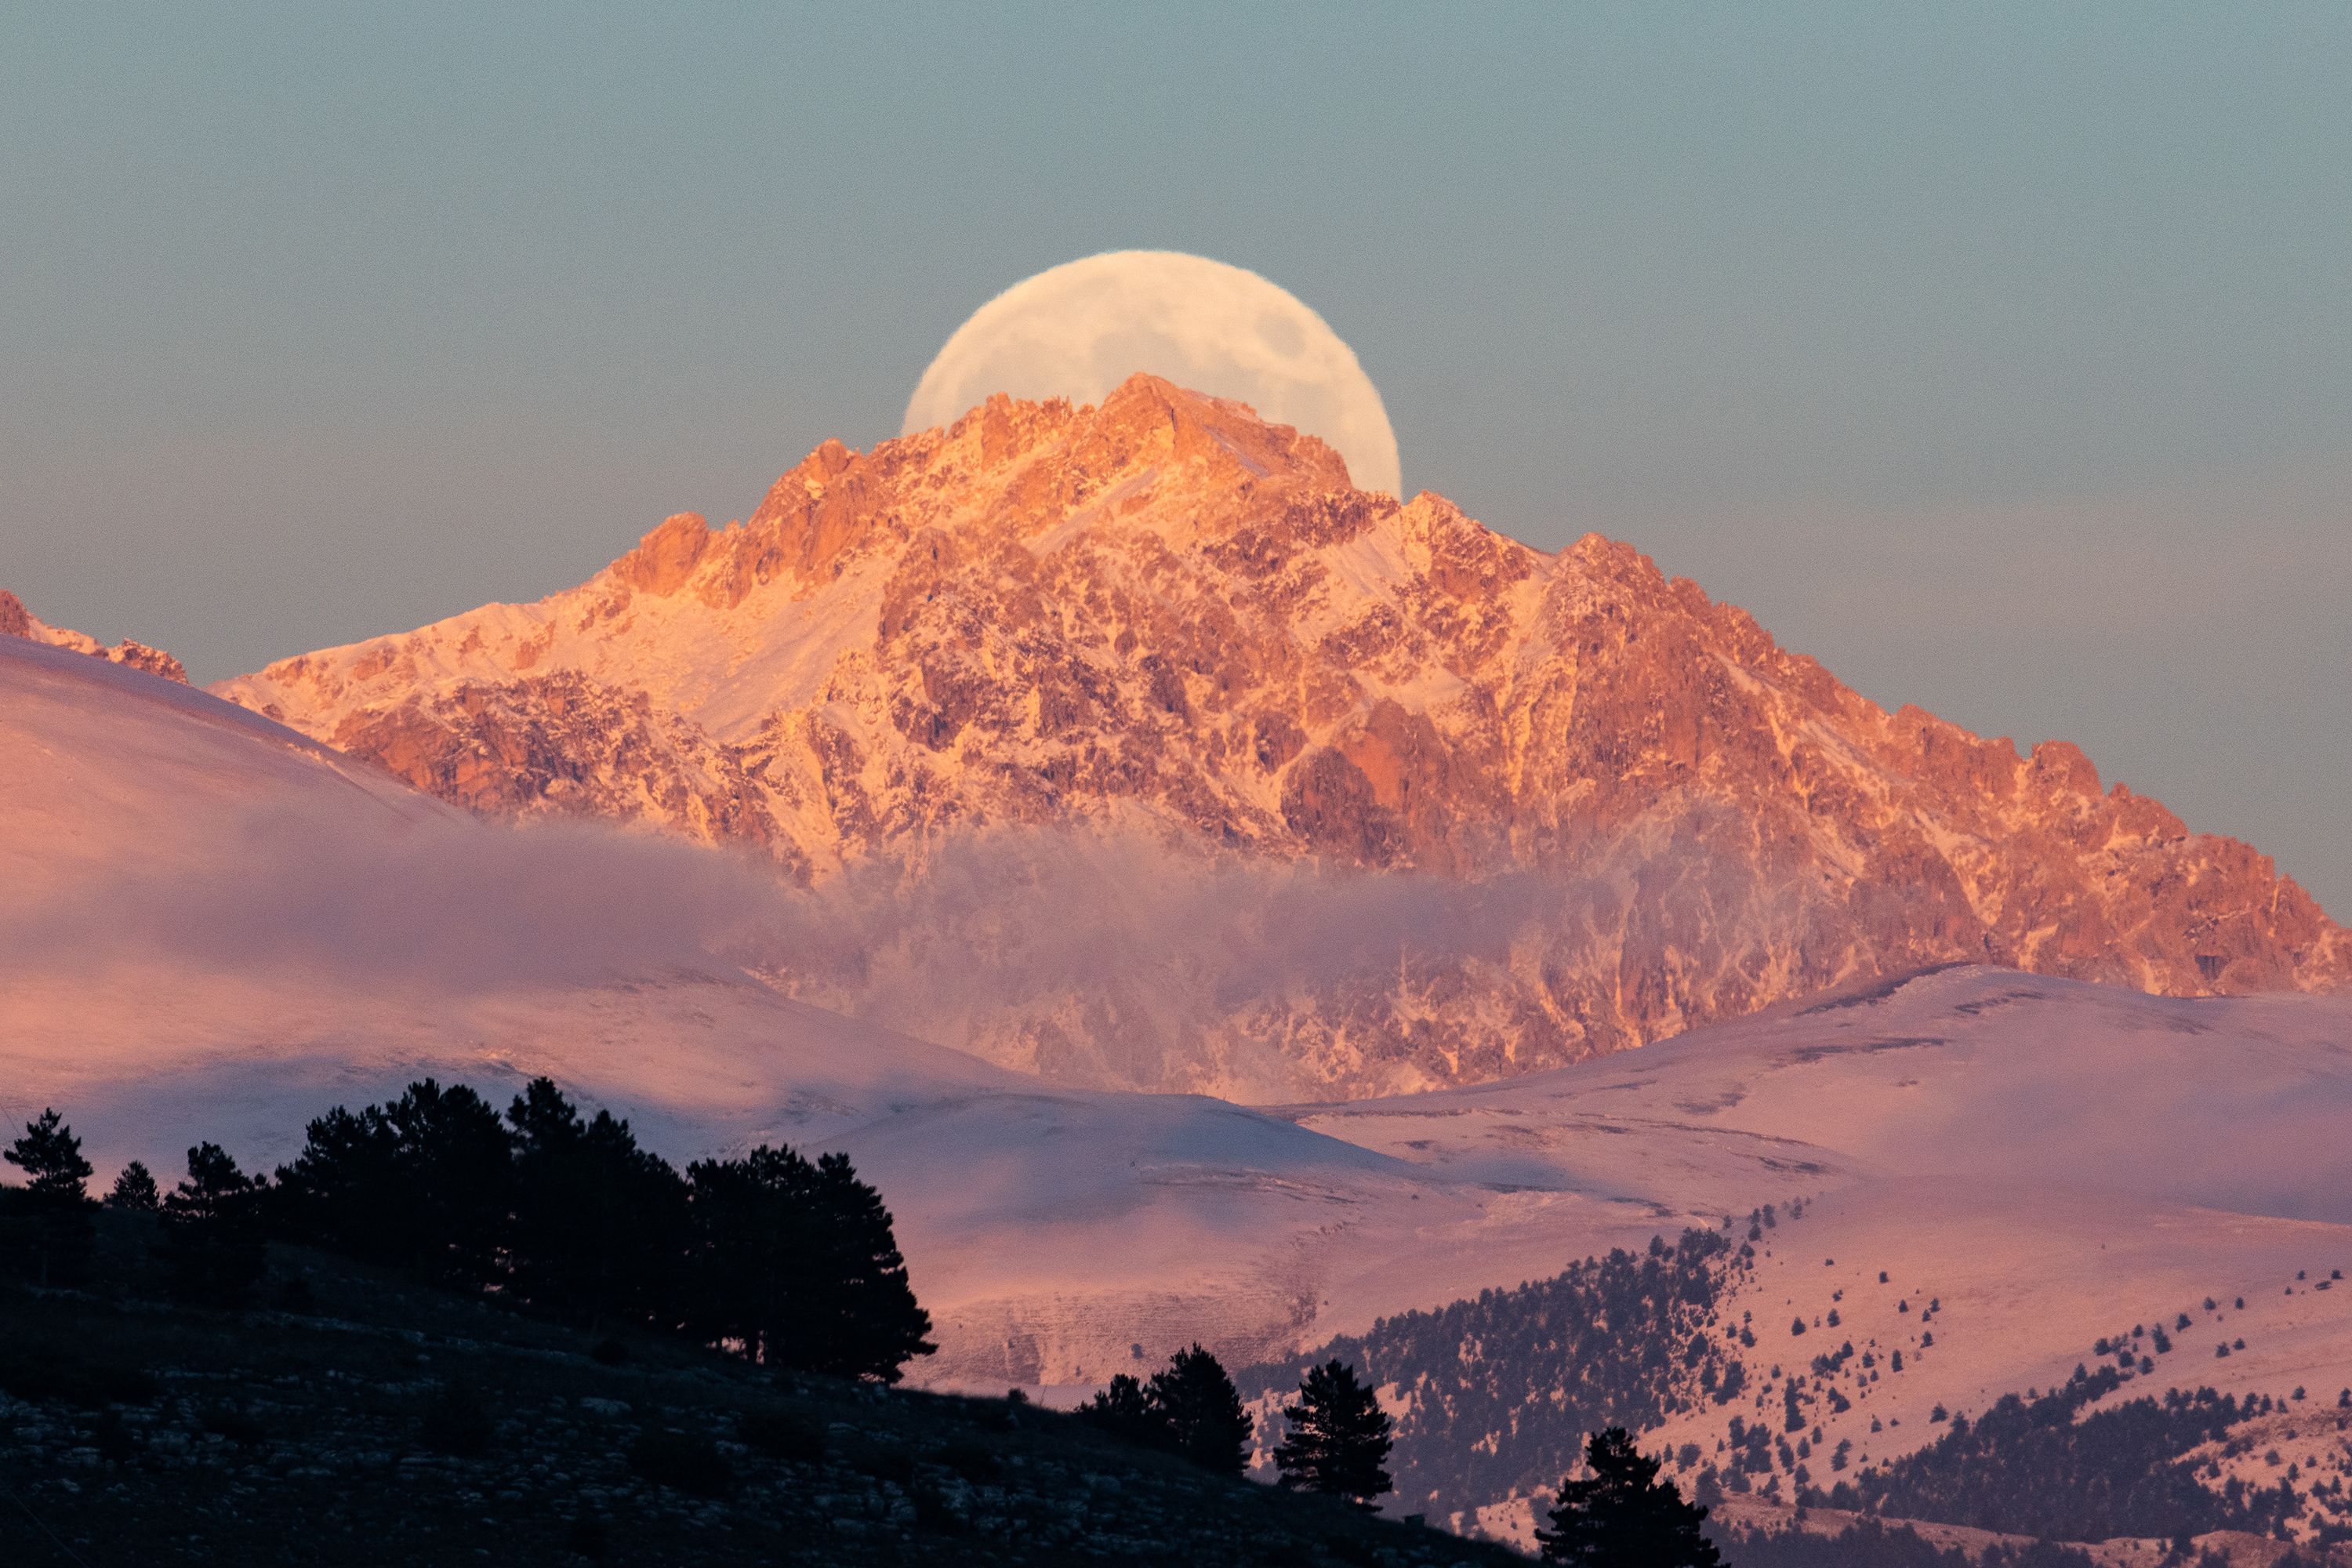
(1206, 1422)
(134, 1189)
(1337, 1442)
(1623, 1516)
(50, 1219)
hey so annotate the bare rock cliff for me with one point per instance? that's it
(16, 621)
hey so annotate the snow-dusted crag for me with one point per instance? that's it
(16, 621)
(1165, 622)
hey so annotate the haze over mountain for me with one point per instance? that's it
(1235, 778)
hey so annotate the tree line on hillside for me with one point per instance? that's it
(2038, 1467)
(1337, 1443)
(792, 1263)
(787, 1261)
(1503, 1389)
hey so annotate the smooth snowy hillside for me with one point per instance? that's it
(2041, 1154)
(215, 927)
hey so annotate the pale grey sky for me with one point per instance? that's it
(2000, 357)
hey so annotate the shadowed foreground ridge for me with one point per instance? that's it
(1163, 620)
(362, 1419)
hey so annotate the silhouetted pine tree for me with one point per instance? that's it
(49, 1223)
(1125, 1411)
(796, 1265)
(751, 1236)
(426, 1183)
(599, 1224)
(1623, 1516)
(869, 1322)
(134, 1189)
(212, 1228)
(1337, 1442)
(1196, 1404)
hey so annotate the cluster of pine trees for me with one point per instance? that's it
(792, 1263)
(784, 1260)
(1621, 1514)
(1506, 1387)
(2040, 1467)
(1337, 1442)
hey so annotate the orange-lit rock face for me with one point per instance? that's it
(16, 621)
(1166, 615)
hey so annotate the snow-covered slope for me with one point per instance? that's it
(1998, 1171)
(214, 927)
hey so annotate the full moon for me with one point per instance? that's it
(1080, 328)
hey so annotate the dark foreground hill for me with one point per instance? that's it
(359, 1419)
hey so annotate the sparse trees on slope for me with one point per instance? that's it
(1337, 1442)
(1203, 1414)
(49, 1226)
(1623, 1516)
(1507, 1384)
(213, 1236)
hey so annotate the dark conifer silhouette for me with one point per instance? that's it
(599, 1222)
(796, 1263)
(213, 1237)
(1126, 1411)
(134, 1189)
(50, 1156)
(1195, 1402)
(789, 1261)
(870, 1325)
(425, 1181)
(1338, 1439)
(49, 1215)
(1623, 1515)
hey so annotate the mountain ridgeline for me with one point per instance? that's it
(1600, 807)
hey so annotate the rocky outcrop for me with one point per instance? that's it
(1166, 616)
(16, 621)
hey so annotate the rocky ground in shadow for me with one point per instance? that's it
(355, 1419)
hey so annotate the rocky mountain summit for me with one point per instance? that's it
(1525, 808)
(16, 621)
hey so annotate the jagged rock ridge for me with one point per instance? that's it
(16, 621)
(1164, 617)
